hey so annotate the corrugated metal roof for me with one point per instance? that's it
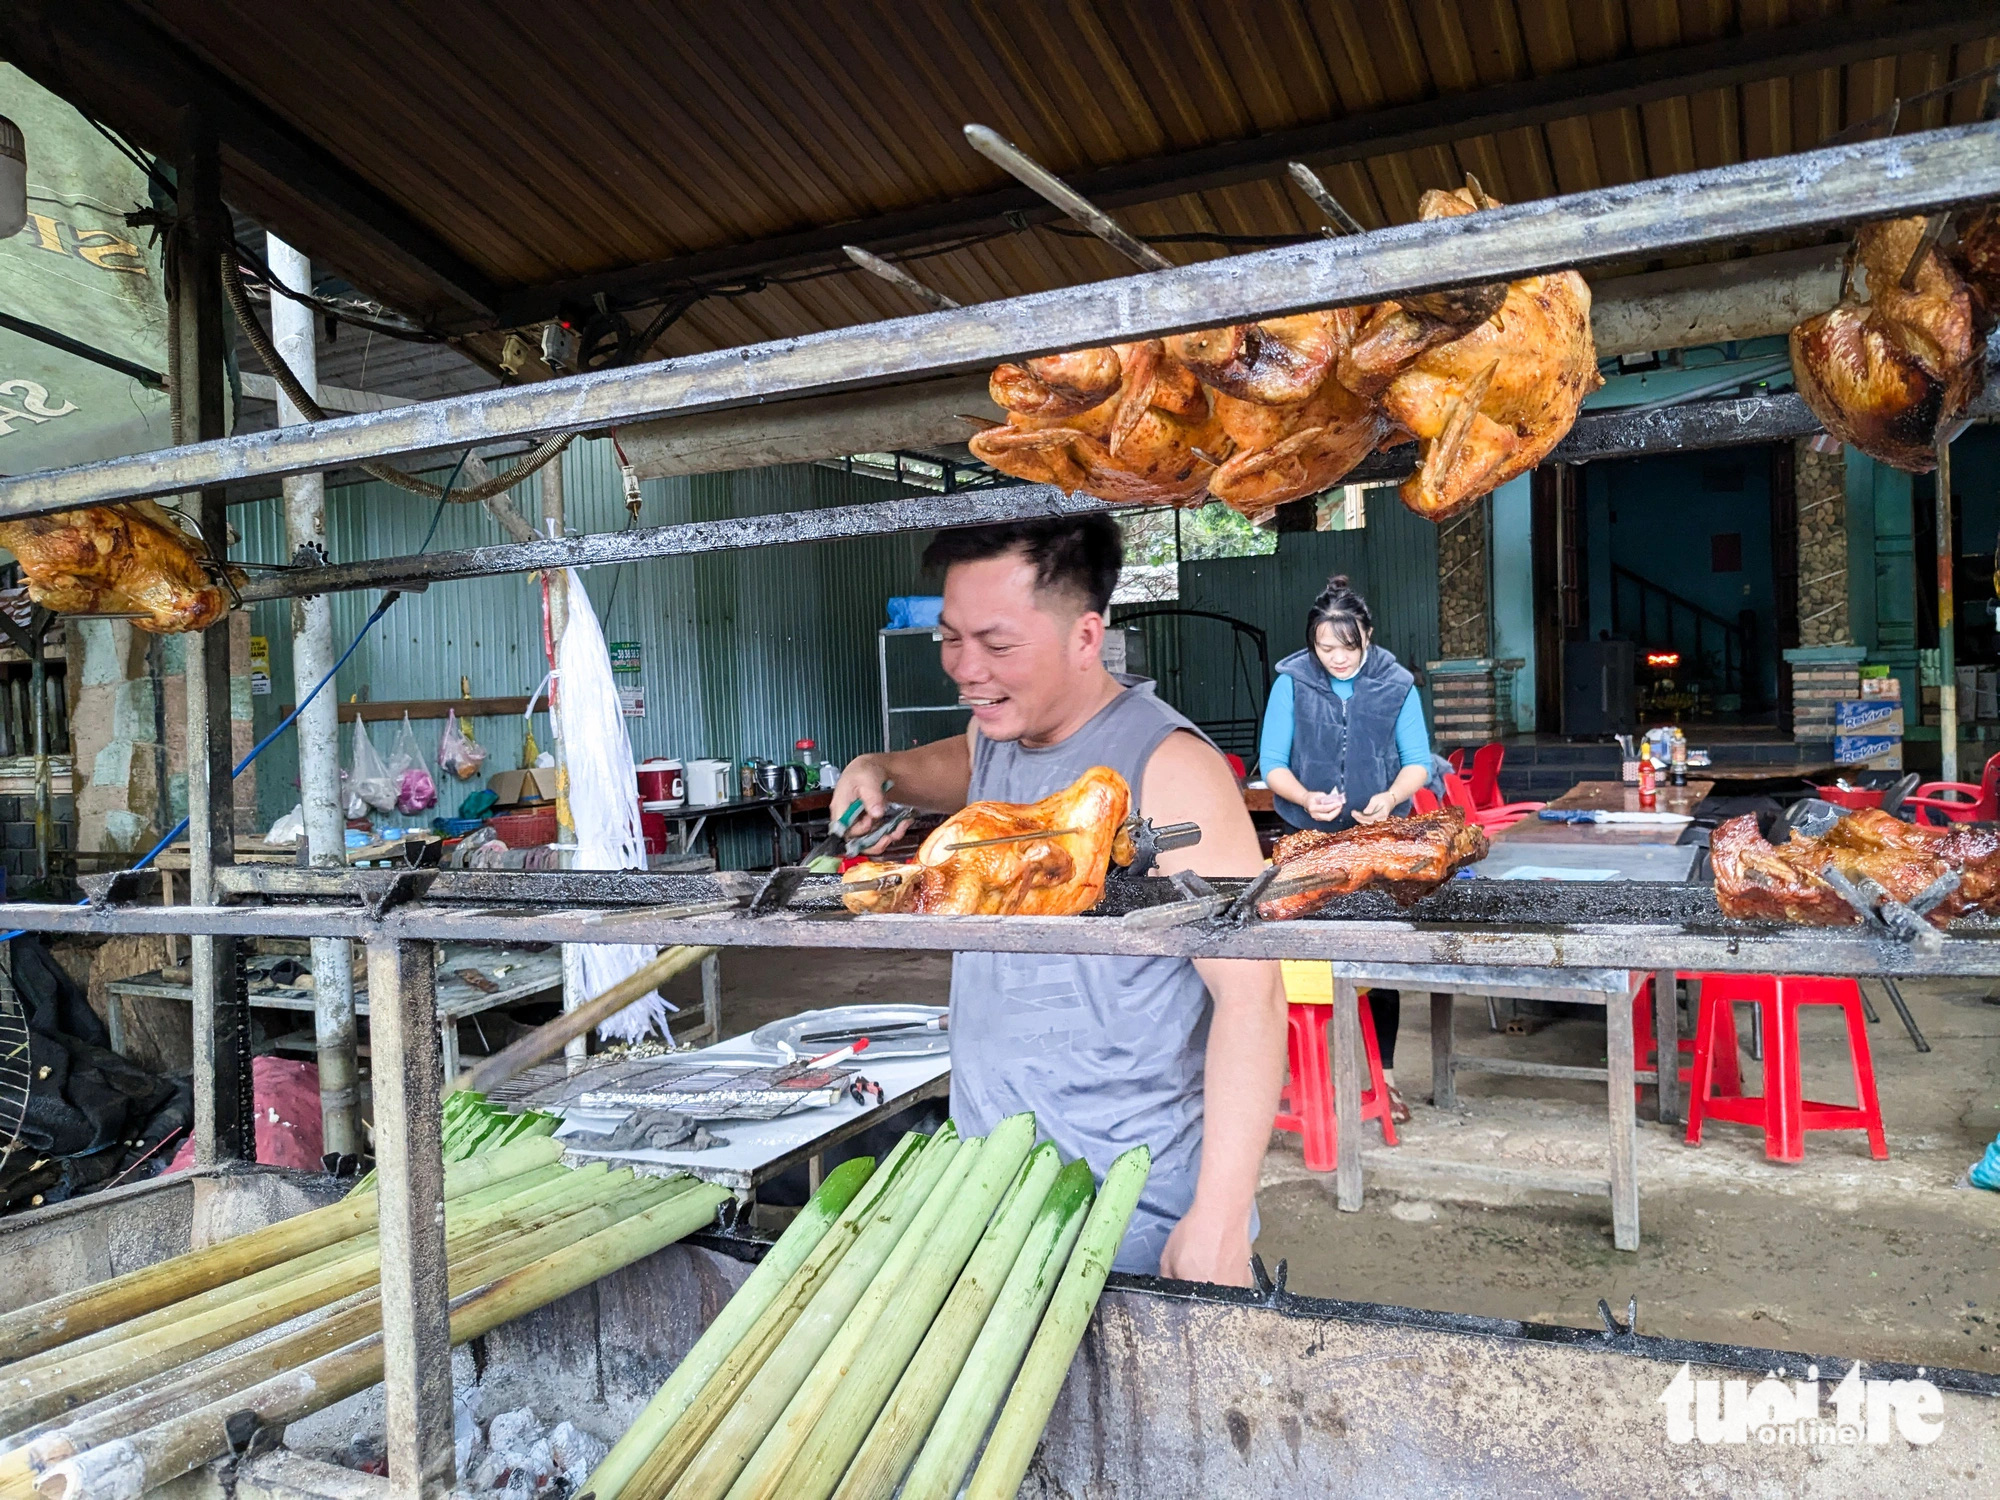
(543, 143)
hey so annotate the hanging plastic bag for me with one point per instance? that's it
(290, 828)
(458, 752)
(368, 775)
(415, 790)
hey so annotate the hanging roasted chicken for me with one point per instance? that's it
(1757, 880)
(1005, 859)
(1894, 365)
(1147, 438)
(1407, 857)
(1488, 405)
(117, 559)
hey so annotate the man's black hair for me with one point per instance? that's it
(1076, 555)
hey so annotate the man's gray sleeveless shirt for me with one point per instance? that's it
(1108, 1052)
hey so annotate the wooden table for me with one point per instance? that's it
(1609, 796)
(1611, 988)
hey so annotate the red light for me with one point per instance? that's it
(1663, 658)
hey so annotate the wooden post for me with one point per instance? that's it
(711, 996)
(409, 1155)
(1444, 1052)
(1624, 1143)
(1667, 1042)
(223, 1127)
(1346, 1031)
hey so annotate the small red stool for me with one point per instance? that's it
(1782, 1109)
(1306, 1106)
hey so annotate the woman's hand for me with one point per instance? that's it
(1378, 808)
(1324, 807)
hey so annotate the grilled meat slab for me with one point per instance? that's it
(1757, 880)
(1407, 857)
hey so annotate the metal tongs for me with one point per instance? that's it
(1903, 921)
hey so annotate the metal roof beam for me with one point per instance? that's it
(1727, 205)
(116, 65)
(1671, 73)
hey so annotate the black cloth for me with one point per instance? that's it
(90, 1114)
(1386, 1008)
(1346, 745)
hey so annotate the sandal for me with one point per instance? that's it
(1399, 1112)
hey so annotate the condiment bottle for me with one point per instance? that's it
(1647, 782)
(1680, 759)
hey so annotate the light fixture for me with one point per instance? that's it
(1663, 658)
(13, 179)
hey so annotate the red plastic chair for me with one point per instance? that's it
(1424, 800)
(1646, 1048)
(1458, 792)
(1782, 1110)
(1486, 763)
(1457, 759)
(1939, 800)
(1306, 1106)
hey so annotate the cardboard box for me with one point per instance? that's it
(1882, 687)
(1871, 750)
(523, 788)
(1869, 716)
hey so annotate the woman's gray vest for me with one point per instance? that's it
(1347, 745)
(1107, 1052)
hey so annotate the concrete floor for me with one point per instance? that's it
(1837, 1255)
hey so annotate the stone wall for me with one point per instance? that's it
(1820, 484)
(113, 733)
(1462, 594)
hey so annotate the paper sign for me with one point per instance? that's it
(632, 701)
(260, 664)
(624, 656)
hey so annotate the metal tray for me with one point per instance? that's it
(856, 1020)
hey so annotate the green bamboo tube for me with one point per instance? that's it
(757, 1409)
(29, 1330)
(982, 1382)
(780, 1263)
(353, 1318)
(766, 1475)
(134, 1465)
(865, 1387)
(1024, 1418)
(899, 1432)
(664, 1465)
(40, 1393)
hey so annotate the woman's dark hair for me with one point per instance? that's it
(1346, 611)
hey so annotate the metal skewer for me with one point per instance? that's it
(1309, 183)
(1014, 838)
(897, 277)
(1031, 173)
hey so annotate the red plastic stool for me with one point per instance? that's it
(1306, 1106)
(1782, 1109)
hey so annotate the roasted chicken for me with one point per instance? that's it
(1407, 857)
(117, 559)
(1148, 440)
(1893, 366)
(1757, 880)
(1050, 861)
(1486, 406)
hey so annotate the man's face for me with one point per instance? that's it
(1019, 658)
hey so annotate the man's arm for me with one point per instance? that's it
(934, 777)
(1186, 781)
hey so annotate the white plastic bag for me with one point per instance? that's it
(290, 828)
(368, 775)
(458, 752)
(415, 790)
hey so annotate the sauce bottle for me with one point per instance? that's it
(1679, 759)
(1648, 799)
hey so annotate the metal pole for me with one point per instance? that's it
(575, 991)
(223, 1126)
(409, 1155)
(1947, 612)
(319, 725)
(38, 689)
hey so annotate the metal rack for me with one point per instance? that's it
(400, 915)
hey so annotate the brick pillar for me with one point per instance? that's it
(1820, 482)
(1462, 594)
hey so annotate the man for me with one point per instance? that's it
(1184, 1057)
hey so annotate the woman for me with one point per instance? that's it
(1344, 743)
